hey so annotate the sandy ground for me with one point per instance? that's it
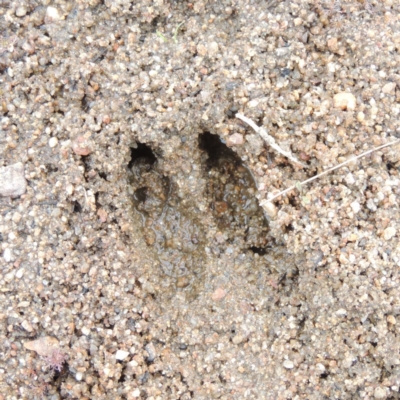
(135, 260)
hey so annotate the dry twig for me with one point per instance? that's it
(269, 139)
(263, 202)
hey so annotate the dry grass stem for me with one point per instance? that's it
(263, 202)
(269, 139)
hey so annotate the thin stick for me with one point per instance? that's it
(328, 170)
(269, 139)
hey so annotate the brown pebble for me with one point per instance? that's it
(332, 44)
(303, 156)
(221, 207)
(81, 146)
(182, 282)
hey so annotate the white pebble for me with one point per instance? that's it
(70, 189)
(288, 364)
(330, 138)
(21, 11)
(10, 276)
(20, 273)
(389, 87)
(133, 363)
(349, 178)
(27, 326)
(53, 142)
(355, 206)
(360, 116)
(52, 14)
(388, 233)
(341, 312)
(371, 205)
(16, 217)
(7, 255)
(121, 354)
(345, 101)
(380, 393)
(213, 48)
(252, 103)
(85, 330)
(321, 367)
(270, 209)
(12, 180)
(135, 393)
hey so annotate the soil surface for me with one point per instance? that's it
(136, 260)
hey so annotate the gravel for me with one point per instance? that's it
(308, 309)
(12, 180)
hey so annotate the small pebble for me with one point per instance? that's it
(355, 206)
(85, 330)
(219, 294)
(151, 351)
(21, 11)
(344, 101)
(69, 188)
(391, 319)
(182, 282)
(321, 367)
(360, 116)
(7, 255)
(270, 208)
(332, 44)
(19, 274)
(53, 142)
(121, 354)
(237, 339)
(288, 364)
(297, 21)
(235, 140)
(102, 214)
(349, 178)
(380, 393)
(253, 103)
(389, 232)
(52, 14)
(389, 87)
(16, 217)
(12, 180)
(81, 146)
(135, 393)
(27, 326)
(133, 363)
(213, 48)
(9, 277)
(330, 138)
(56, 212)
